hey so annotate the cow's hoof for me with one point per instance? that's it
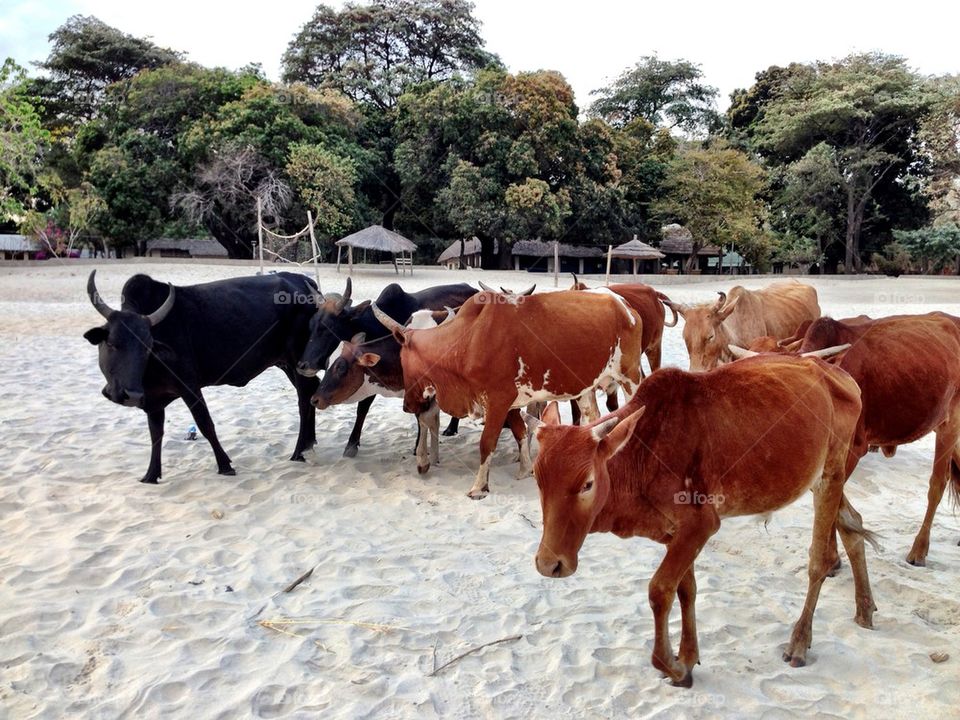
(298, 458)
(478, 494)
(149, 480)
(350, 451)
(228, 471)
(685, 682)
(449, 433)
(917, 560)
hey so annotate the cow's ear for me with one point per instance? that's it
(361, 307)
(551, 416)
(163, 351)
(400, 335)
(368, 359)
(96, 335)
(614, 440)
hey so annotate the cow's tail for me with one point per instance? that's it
(955, 478)
(668, 303)
(850, 520)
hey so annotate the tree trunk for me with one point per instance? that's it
(488, 255)
(463, 253)
(503, 256)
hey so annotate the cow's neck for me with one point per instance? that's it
(628, 512)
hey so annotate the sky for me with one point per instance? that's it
(589, 41)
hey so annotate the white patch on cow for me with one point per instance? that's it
(522, 370)
(334, 355)
(428, 392)
(623, 303)
(422, 320)
(370, 388)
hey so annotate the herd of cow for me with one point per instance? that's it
(779, 401)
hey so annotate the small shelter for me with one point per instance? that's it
(450, 258)
(18, 247)
(677, 245)
(377, 237)
(185, 248)
(537, 256)
(638, 252)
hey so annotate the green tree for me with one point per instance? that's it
(374, 52)
(326, 182)
(22, 141)
(939, 133)
(713, 192)
(934, 248)
(665, 93)
(867, 108)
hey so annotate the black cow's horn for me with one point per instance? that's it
(723, 299)
(485, 287)
(388, 322)
(161, 312)
(95, 298)
(529, 290)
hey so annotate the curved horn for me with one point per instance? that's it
(451, 314)
(529, 290)
(723, 299)
(95, 298)
(827, 352)
(345, 298)
(388, 322)
(739, 353)
(358, 338)
(485, 287)
(161, 312)
(575, 280)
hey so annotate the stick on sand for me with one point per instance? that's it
(468, 652)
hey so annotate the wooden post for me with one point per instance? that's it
(260, 231)
(339, 250)
(609, 258)
(634, 269)
(350, 258)
(556, 263)
(316, 249)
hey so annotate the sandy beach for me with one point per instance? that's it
(123, 600)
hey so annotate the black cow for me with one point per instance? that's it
(168, 342)
(337, 320)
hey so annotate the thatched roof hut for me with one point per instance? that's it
(637, 252)
(450, 258)
(677, 240)
(377, 237)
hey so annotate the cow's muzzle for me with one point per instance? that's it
(306, 370)
(320, 402)
(553, 565)
(124, 397)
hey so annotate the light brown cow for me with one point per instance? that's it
(742, 316)
(691, 449)
(908, 369)
(502, 352)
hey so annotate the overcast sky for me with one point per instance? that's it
(589, 41)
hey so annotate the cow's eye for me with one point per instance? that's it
(710, 339)
(587, 487)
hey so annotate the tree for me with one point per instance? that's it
(713, 192)
(373, 53)
(22, 141)
(935, 248)
(665, 93)
(87, 57)
(940, 138)
(326, 182)
(867, 108)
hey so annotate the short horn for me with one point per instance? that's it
(388, 322)
(739, 353)
(95, 298)
(827, 352)
(723, 299)
(161, 312)
(529, 290)
(485, 287)
(345, 299)
(603, 429)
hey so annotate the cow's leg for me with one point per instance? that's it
(827, 495)
(833, 555)
(453, 427)
(575, 412)
(945, 447)
(353, 443)
(307, 437)
(519, 429)
(588, 406)
(493, 419)
(682, 550)
(201, 416)
(155, 420)
(687, 595)
(850, 525)
(653, 356)
(429, 430)
(613, 401)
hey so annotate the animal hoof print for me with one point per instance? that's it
(350, 451)
(228, 471)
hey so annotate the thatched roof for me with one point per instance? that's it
(677, 240)
(194, 246)
(377, 237)
(18, 243)
(539, 248)
(637, 250)
(470, 247)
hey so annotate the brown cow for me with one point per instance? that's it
(743, 316)
(908, 369)
(502, 352)
(690, 449)
(650, 305)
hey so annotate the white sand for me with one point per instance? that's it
(115, 597)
